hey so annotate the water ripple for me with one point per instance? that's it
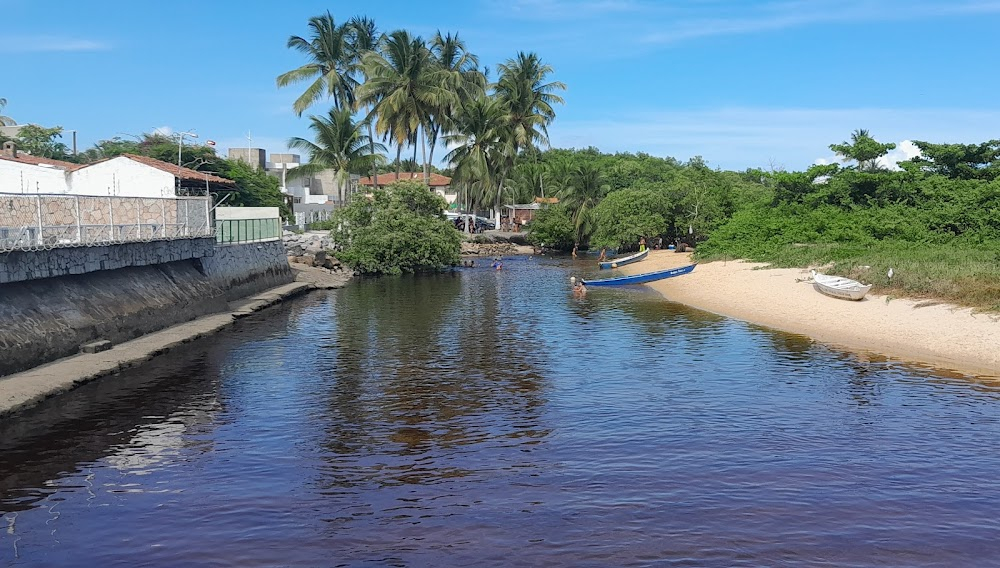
(489, 418)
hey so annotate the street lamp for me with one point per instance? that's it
(180, 144)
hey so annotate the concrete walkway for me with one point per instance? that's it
(24, 390)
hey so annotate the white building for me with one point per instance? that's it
(124, 176)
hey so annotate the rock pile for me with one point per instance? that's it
(311, 249)
(297, 244)
(488, 249)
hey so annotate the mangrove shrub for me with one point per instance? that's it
(398, 228)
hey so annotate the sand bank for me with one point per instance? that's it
(941, 335)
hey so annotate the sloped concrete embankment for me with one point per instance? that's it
(45, 319)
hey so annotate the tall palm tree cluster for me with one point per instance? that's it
(415, 94)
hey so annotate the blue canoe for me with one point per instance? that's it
(641, 278)
(615, 263)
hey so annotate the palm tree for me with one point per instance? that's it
(463, 77)
(523, 89)
(365, 38)
(340, 145)
(863, 149)
(329, 66)
(403, 87)
(557, 173)
(526, 181)
(5, 120)
(583, 193)
(480, 145)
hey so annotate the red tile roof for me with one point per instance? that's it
(179, 172)
(23, 158)
(437, 180)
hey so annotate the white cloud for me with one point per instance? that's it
(783, 15)
(738, 138)
(164, 130)
(42, 43)
(905, 150)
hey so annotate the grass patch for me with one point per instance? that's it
(958, 273)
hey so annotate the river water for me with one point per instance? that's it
(488, 418)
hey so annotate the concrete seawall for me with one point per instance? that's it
(48, 318)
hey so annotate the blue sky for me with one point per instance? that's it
(740, 83)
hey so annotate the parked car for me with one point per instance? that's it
(459, 219)
(484, 224)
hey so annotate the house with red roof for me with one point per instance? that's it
(438, 183)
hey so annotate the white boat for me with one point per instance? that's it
(840, 287)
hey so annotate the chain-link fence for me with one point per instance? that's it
(32, 222)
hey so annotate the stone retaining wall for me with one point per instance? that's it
(22, 266)
(246, 269)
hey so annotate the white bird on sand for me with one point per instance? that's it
(890, 273)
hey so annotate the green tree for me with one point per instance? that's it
(39, 141)
(585, 190)
(400, 228)
(340, 145)
(464, 79)
(403, 87)
(479, 148)
(254, 187)
(960, 161)
(552, 227)
(365, 38)
(624, 216)
(862, 149)
(329, 68)
(527, 95)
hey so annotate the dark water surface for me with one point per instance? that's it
(489, 419)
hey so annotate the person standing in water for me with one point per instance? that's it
(604, 255)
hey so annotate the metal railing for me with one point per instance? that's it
(38, 222)
(247, 230)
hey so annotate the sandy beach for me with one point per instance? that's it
(939, 335)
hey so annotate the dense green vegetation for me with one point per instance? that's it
(399, 228)
(936, 221)
(614, 199)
